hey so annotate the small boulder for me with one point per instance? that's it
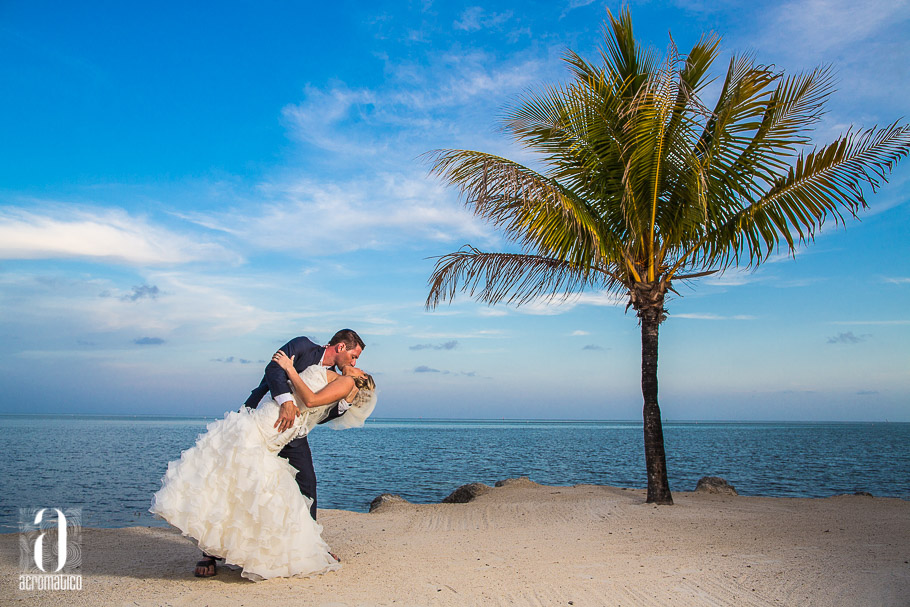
(715, 484)
(863, 493)
(387, 499)
(466, 493)
(521, 481)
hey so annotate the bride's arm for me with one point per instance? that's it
(333, 392)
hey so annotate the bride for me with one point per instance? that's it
(239, 500)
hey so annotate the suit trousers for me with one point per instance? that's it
(298, 454)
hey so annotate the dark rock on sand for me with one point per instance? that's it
(387, 499)
(466, 493)
(715, 484)
(521, 481)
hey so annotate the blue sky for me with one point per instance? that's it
(185, 186)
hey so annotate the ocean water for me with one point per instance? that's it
(111, 466)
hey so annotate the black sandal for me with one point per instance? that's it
(206, 562)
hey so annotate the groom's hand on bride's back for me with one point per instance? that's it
(287, 415)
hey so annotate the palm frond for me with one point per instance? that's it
(741, 103)
(531, 208)
(795, 105)
(692, 81)
(510, 277)
(621, 54)
(827, 181)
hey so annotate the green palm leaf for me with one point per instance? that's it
(514, 278)
(824, 182)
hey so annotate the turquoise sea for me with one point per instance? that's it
(110, 466)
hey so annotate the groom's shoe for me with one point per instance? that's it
(207, 567)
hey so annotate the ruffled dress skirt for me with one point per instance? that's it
(239, 500)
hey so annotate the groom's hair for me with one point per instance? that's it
(349, 338)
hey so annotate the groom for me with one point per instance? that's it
(343, 349)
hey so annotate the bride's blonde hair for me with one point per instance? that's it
(365, 383)
(366, 389)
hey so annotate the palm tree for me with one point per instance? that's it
(646, 185)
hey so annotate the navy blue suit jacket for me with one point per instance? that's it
(275, 380)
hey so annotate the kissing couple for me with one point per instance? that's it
(246, 492)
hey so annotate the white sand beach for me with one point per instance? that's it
(528, 544)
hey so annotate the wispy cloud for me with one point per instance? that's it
(574, 4)
(104, 235)
(733, 277)
(418, 107)
(862, 40)
(544, 305)
(316, 119)
(817, 27)
(148, 341)
(592, 347)
(232, 359)
(897, 280)
(491, 311)
(141, 292)
(195, 305)
(375, 213)
(426, 369)
(476, 18)
(579, 333)
(848, 338)
(448, 345)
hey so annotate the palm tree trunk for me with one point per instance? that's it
(655, 458)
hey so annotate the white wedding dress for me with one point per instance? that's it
(239, 500)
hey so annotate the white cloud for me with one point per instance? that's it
(190, 311)
(573, 4)
(816, 27)
(549, 306)
(315, 119)
(897, 280)
(490, 311)
(892, 195)
(104, 235)
(475, 18)
(417, 108)
(732, 277)
(865, 42)
(579, 333)
(314, 218)
(187, 306)
(374, 187)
